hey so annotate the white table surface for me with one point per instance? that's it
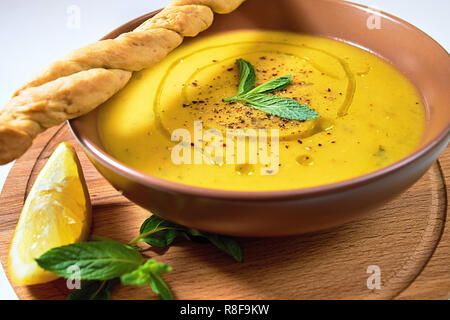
(37, 32)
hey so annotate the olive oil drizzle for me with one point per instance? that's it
(342, 110)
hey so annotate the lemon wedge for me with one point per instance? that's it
(56, 212)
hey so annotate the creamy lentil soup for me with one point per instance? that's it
(370, 115)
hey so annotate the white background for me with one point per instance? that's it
(34, 33)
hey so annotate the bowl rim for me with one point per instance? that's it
(268, 195)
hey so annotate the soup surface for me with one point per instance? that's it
(370, 115)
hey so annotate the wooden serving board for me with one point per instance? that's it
(408, 239)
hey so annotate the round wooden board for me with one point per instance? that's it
(406, 239)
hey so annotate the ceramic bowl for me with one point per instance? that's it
(278, 213)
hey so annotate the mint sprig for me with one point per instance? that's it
(103, 263)
(274, 105)
(158, 232)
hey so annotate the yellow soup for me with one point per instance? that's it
(170, 120)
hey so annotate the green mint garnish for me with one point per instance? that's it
(103, 263)
(274, 105)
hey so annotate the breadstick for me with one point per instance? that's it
(219, 6)
(87, 77)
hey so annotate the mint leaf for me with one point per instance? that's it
(158, 232)
(248, 76)
(150, 273)
(93, 290)
(275, 84)
(102, 260)
(160, 287)
(227, 244)
(281, 107)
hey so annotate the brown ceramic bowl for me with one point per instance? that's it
(289, 212)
